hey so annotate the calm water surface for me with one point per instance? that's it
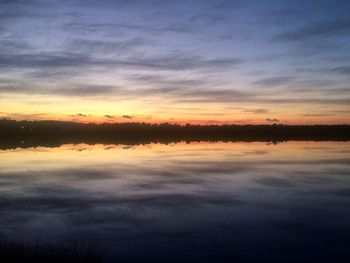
(198, 202)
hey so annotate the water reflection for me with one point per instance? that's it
(183, 202)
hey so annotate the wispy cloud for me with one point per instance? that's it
(322, 29)
(316, 115)
(183, 94)
(74, 90)
(80, 115)
(114, 47)
(257, 111)
(175, 62)
(343, 70)
(272, 120)
(274, 81)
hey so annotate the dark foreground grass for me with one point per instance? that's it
(18, 252)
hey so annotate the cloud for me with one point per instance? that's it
(84, 90)
(323, 29)
(180, 61)
(27, 116)
(9, 46)
(283, 16)
(275, 182)
(127, 117)
(79, 115)
(183, 94)
(164, 80)
(257, 111)
(343, 70)
(61, 60)
(274, 81)
(114, 29)
(45, 60)
(93, 46)
(344, 192)
(272, 120)
(316, 115)
(218, 12)
(321, 77)
(109, 116)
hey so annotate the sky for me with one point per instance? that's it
(184, 61)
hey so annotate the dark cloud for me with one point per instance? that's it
(323, 29)
(169, 81)
(9, 46)
(80, 115)
(257, 111)
(344, 193)
(316, 115)
(85, 90)
(27, 116)
(218, 12)
(73, 90)
(116, 28)
(257, 152)
(197, 95)
(272, 120)
(181, 62)
(44, 61)
(127, 117)
(184, 94)
(176, 62)
(315, 83)
(109, 116)
(91, 46)
(275, 182)
(330, 79)
(284, 16)
(343, 70)
(274, 81)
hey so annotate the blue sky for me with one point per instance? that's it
(183, 61)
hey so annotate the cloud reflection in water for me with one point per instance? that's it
(184, 201)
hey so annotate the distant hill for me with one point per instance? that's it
(53, 133)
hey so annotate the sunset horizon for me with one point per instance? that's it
(105, 120)
(223, 62)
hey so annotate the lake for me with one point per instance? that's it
(184, 202)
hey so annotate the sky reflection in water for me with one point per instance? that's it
(200, 201)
